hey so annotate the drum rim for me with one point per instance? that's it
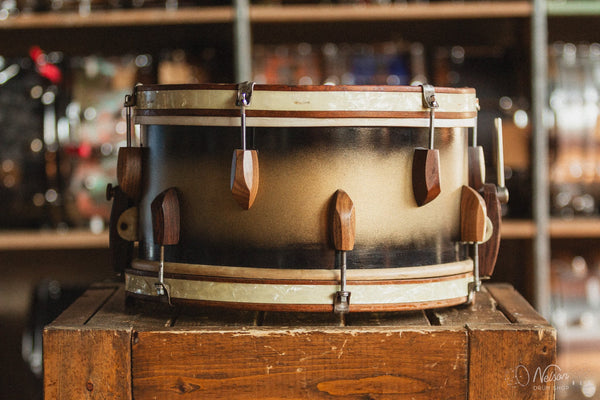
(308, 296)
(362, 275)
(304, 88)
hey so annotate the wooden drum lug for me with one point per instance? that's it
(166, 221)
(244, 177)
(344, 232)
(129, 171)
(473, 221)
(426, 162)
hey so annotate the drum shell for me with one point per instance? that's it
(300, 169)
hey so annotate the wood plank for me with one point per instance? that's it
(319, 363)
(381, 319)
(575, 228)
(110, 18)
(193, 318)
(514, 306)
(518, 229)
(482, 310)
(355, 12)
(51, 239)
(512, 362)
(114, 314)
(84, 307)
(87, 364)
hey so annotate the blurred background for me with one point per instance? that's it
(66, 65)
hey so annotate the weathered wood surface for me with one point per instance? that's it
(107, 347)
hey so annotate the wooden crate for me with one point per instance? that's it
(99, 348)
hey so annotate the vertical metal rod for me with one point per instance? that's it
(343, 272)
(242, 41)
(129, 133)
(476, 278)
(474, 141)
(161, 270)
(540, 176)
(431, 128)
(243, 104)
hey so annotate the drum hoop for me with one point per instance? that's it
(314, 275)
(307, 296)
(386, 107)
(305, 88)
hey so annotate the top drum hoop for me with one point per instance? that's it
(214, 105)
(290, 260)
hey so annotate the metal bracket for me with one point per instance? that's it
(430, 102)
(341, 304)
(244, 94)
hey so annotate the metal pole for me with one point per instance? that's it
(242, 42)
(541, 193)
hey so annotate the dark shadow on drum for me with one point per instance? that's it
(215, 231)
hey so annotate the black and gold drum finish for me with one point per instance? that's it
(254, 172)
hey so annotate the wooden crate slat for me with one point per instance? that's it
(85, 306)
(514, 306)
(301, 363)
(114, 314)
(405, 318)
(482, 310)
(190, 318)
(87, 364)
(511, 363)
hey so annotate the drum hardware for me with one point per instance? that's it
(121, 250)
(244, 165)
(476, 161)
(426, 162)
(165, 227)
(344, 229)
(473, 227)
(279, 256)
(127, 225)
(129, 162)
(494, 196)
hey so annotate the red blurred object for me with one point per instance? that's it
(44, 68)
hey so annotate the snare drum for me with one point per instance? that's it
(308, 151)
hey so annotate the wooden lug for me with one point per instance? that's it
(344, 221)
(472, 216)
(129, 171)
(476, 167)
(166, 217)
(244, 177)
(426, 175)
(488, 251)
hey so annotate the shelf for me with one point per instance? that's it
(50, 239)
(115, 18)
(396, 12)
(268, 14)
(575, 228)
(573, 8)
(559, 228)
(518, 229)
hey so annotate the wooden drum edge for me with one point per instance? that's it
(305, 295)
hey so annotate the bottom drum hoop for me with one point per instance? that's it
(392, 289)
